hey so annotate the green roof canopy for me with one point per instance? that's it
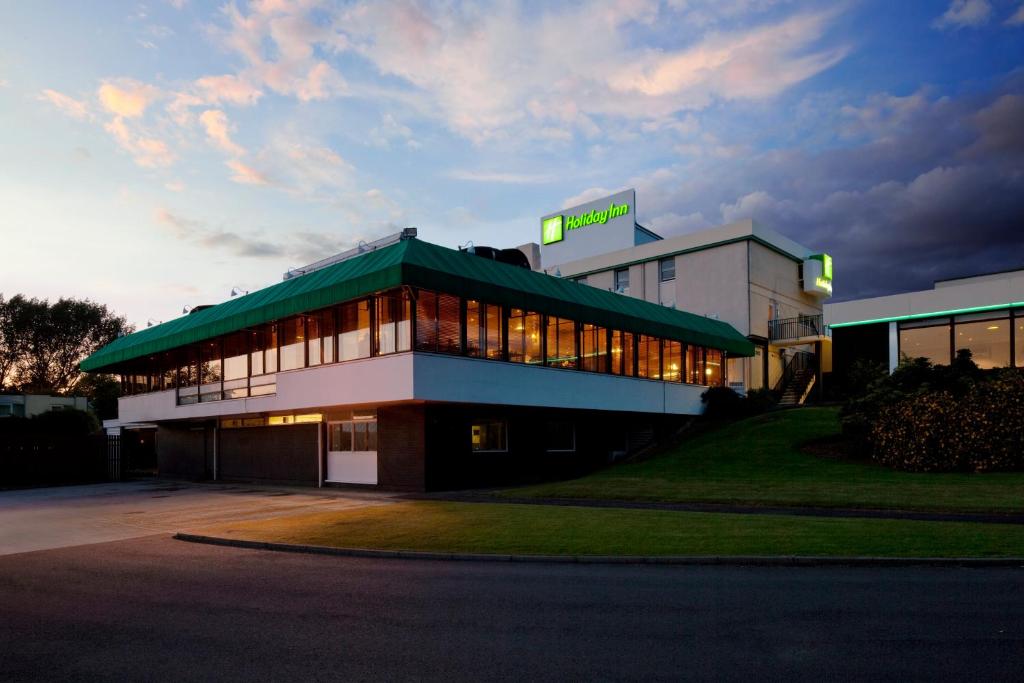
(421, 264)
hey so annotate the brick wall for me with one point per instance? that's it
(400, 451)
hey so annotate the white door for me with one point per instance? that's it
(352, 452)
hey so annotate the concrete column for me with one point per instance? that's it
(894, 346)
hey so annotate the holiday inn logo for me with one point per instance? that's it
(551, 230)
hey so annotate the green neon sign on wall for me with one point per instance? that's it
(553, 229)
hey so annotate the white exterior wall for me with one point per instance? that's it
(430, 377)
(951, 295)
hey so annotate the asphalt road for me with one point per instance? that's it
(155, 608)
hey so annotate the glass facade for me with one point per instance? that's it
(987, 337)
(924, 340)
(245, 363)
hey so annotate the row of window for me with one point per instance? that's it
(244, 363)
(666, 273)
(995, 338)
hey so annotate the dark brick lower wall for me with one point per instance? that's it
(279, 454)
(184, 451)
(401, 465)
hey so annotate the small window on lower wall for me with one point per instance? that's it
(560, 437)
(489, 436)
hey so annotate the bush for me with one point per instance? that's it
(722, 403)
(979, 430)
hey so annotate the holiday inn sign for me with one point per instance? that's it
(553, 228)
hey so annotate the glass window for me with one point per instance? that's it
(713, 368)
(236, 356)
(593, 348)
(210, 371)
(648, 357)
(236, 365)
(293, 343)
(673, 360)
(667, 269)
(392, 322)
(988, 340)
(694, 364)
(560, 437)
(561, 342)
(314, 344)
(483, 330)
(352, 435)
(169, 368)
(489, 435)
(327, 333)
(582, 279)
(474, 329)
(926, 342)
(524, 336)
(622, 280)
(492, 328)
(263, 349)
(438, 325)
(354, 330)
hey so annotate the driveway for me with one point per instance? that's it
(40, 519)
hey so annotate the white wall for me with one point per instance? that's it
(431, 377)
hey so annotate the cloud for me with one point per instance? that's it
(199, 234)
(74, 108)
(217, 127)
(147, 151)
(964, 14)
(501, 177)
(926, 187)
(126, 97)
(1017, 18)
(298, 247)
(390, 131)
(177, 4)
(291, 66)
(175, 186)
(228, 88)
(503, 73)
(246, 175)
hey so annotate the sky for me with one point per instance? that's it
(156, 155)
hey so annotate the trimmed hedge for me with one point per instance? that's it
(977, 429)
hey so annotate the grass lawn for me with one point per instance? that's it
(554, 530)
(757, 461)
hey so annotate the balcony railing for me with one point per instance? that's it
(796, 328)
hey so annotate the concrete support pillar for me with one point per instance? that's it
(894, 346)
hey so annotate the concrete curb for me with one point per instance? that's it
(693, 560)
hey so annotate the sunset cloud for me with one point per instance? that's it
(217, 127)
(127, 97)
(69, 105)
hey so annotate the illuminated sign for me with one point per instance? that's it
(818, 274)
(553, 229)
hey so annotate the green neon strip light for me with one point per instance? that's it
(936, 314)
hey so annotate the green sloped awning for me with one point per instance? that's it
(421, 264)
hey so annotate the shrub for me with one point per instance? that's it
(980, 429)
(723, 403)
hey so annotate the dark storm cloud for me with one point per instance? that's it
(920, 189)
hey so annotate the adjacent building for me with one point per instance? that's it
(30, 405)
(763, 284)
(982, 313)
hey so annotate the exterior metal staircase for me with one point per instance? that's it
(797, 380)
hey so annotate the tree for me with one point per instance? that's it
(102, 392)
(44, 343)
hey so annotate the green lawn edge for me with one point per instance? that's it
(758, 461)
(518, 529)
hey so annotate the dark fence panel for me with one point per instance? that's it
(35, 459)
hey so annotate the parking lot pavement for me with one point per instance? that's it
(58, 517)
